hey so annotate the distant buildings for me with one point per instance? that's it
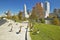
(56, 12)
(25, 13)
(46, 9)
(42, 10)
(41, 4)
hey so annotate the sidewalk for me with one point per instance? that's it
(6, 35)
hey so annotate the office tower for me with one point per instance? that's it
(46, 9)
(41, 4)
(25, 14)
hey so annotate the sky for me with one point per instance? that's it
(17, 5)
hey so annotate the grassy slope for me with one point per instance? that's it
(47, 32)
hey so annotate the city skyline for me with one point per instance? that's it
(17, 5)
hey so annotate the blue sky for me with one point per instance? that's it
(17, 5)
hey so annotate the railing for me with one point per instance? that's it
(26, 34)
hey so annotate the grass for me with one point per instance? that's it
(47, 32)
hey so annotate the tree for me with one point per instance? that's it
(39, 10)
(20, 15)
(42, 20)
(33, 15)
(15, 17)
(8, 14)
(55, 21)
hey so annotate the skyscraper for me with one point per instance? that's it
(46, 9)
(25, 14)
(41, 4)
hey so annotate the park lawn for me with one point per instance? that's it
(47, 32)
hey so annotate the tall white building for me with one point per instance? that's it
(46, 9)
(41, 4)
(25, 14)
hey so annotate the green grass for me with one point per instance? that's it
(47, 32)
